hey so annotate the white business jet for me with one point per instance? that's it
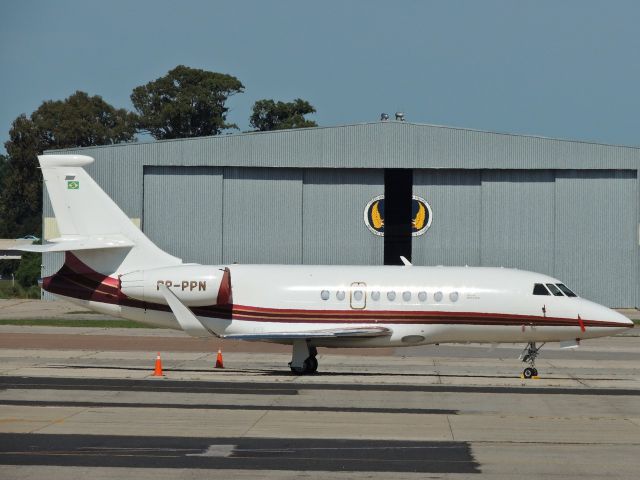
(113, 268)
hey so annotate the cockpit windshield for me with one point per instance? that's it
(555, 290)
(558, 290)
(540, 289)
(566, 290)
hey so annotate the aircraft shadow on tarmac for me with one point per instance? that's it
(280, 373)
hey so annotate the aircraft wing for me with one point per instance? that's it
(346, 332)
(194, 327)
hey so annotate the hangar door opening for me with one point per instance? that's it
(398, 191)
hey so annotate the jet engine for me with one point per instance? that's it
(194, 285)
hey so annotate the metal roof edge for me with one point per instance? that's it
(351, 125)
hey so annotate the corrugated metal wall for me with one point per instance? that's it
(262, 221)
(596, 229)
(262, 215)
(454, 235)
(578, 225)
(517, 219)
(334, 232)
(183, 211)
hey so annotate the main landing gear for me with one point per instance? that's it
(529, 355)
(303, 360)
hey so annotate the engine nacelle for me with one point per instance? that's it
(194, 285)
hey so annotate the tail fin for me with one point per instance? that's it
(91, 224)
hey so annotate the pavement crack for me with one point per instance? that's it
(60, 420)
(450, 428)
(244, 434)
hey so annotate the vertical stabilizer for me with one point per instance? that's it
(87, 215)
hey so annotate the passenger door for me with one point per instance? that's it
(358, 295)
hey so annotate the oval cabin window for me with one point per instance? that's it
(324, 294)
(340, 295)
(453, 296)
(437, 296)
(406, 296)
(422, 296)
(391, 296)
(375, 296)
(357, 295)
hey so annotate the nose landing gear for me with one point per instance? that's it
(529, 355)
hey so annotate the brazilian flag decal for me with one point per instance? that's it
(73, 185)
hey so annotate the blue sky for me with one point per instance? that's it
(567, 69)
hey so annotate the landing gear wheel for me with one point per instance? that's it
(299, 370)
(303, 360)
(310, 366)
(529, 355)
(313, 361)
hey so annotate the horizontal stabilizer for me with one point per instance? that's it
(65, 244)
(352, 332)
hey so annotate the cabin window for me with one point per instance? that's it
(391, 296)
(565, 290)
(453, 296)
(422, 296)
(437, 296)
(357, 295)
(406, 296)
(340, 295)
(324, 294)
(555, 290)
(540, 289)
(375, 296)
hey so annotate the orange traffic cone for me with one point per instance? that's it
(158, 370)
(219, 363)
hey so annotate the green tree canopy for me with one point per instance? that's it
(186, 102)
(3, 167)
(28, 272)
(78, 121)
(269, 115)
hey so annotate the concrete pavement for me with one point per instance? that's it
(438, 412)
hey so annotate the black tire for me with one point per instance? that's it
(310, 365)
(528, 372)
(313, 364)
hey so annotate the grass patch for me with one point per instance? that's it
(54, 322)
(8, 290)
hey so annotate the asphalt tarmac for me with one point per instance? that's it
(463, 412)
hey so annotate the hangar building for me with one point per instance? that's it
(311, 196)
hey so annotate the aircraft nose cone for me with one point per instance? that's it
(612, 317)
(622, 320)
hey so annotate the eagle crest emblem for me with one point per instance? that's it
(421, 215)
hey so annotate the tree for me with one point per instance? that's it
(269, 115)
(3, 166)
(28, 272)
(78, 121)
(186, 102)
